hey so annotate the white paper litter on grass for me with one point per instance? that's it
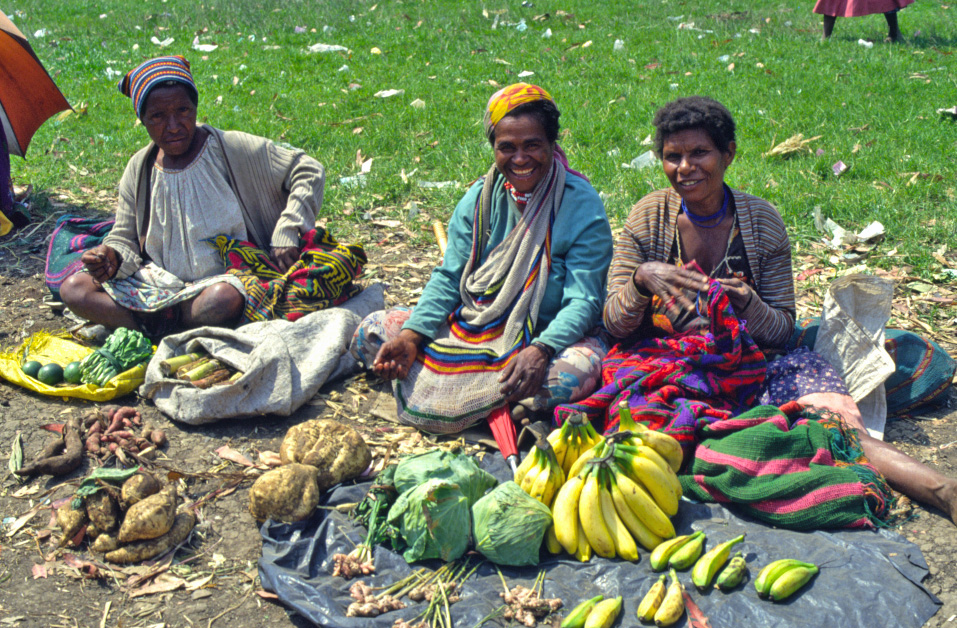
(644, 160)
(203, 47)
(327, 48)
(418, 103)
(865, 43)
(162, 44)
(525, 73)
(437, 184)
(388, 93)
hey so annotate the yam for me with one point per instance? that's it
(104, 543)
(336, 450)
(103, 511)
(139, 487)
(144, 550)
(69, 460)
(70, 521)
(149, 518)
(289, 493)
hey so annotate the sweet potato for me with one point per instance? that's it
(158, 438)
(60, 464)
(70, 521)
(144, 550)
(104, 543)
(150, 517)
(138, 488)
(103, 511)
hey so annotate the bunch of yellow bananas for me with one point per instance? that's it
(617, 497)
(539, 474)
(572, 439)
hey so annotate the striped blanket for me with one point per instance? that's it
(794, 467)
(681, 383)
(71, 237)
(323, 277)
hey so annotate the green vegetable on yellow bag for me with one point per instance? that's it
(124, 349)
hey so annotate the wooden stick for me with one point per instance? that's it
(215, 377)
(186, 368)
(169, 366)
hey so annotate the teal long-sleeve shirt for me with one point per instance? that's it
(581, 253)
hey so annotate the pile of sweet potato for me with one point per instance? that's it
(138, 521)
(120, 427)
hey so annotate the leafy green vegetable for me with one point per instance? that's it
(509, 526)
(124, 349)
(434, 520)
(437, 464)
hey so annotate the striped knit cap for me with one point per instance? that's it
(138, 82)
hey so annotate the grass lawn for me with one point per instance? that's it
(608, 64)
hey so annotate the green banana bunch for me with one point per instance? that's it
(686, 555)
(708, 565)
(576, 618)
(604, 614)
(732, 575)
(673, 605)
(775, 571)
(662, 553)
(652, 601)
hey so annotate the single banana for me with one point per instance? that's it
(642, 504)
(673, 606)
(625, 545)
(652, 478)
(533, 472)
(540, 485)
(576, 618)
(584, 551)
(551, 541)
(790, 581)
(652, 601)
(565, 513)
(660, 555)
(584, 457)
(604, 614)
(572, 453)
(772, 571)
(559, 442)
(732, 575)
(688, 554)
(645, 537)
(527, 463)
(708, 565)
(556, 479)
(668, 447)
(589, 511)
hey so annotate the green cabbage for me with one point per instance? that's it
(434, 520)
(509, 525)
(445, 465)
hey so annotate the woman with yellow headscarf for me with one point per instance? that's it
(510, 315)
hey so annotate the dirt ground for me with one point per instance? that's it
(215, 580)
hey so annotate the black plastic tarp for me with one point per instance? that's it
(868, 578)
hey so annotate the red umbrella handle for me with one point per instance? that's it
(504, 431)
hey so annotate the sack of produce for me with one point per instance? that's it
(437, 464)
(509, 525)
(434, 520)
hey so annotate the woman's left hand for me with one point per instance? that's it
(523, 376)
(739, 293)
(284, 256)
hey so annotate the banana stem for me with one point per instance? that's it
(625, 421)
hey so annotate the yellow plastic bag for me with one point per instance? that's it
(58, 347)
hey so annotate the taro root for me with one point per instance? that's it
(104, 543)
(70, 521)
(139, 551)
(337, 450)
(150, 517)
(102, 510)
(138, 488)
(289, 493)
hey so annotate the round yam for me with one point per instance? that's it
(102, 510)
(139, 551)
(336, 450)
(138, 488)
(289, 493)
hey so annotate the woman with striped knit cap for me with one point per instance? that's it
(156, 272)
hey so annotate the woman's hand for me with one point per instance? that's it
(284, 256)
(101, 262)
(739, 293)
(669, 282)
(396, 357)
(522, 377)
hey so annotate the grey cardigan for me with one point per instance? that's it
(279, 190)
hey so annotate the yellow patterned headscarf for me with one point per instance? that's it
(507, 99)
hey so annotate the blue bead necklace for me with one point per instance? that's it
(718, 216)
